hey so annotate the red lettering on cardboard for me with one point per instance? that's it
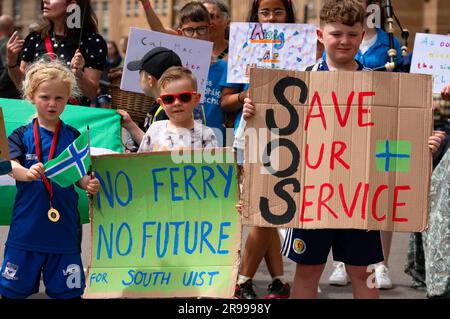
(397, 204)
(321, 202)
(315, 99)
(362, 110)
(375, 200)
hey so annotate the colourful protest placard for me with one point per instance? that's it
(194, 54)
(431, 55)
(283, 46)
(338, 150)
(162, 227)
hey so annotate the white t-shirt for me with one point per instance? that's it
(161, 137)
(365, 45)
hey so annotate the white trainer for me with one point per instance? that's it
(339, 276)
(382, 278)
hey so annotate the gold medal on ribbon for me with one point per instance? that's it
(53, 215)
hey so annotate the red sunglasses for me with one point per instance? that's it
(185, 97)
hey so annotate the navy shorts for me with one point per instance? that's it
(350, 246)
(63, 274)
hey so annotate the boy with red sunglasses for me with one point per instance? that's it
(178, 97)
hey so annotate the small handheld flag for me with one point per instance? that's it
(72, 164)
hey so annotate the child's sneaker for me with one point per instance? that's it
(382, 278)
(245, 291)
(339, 276)
(278, 290)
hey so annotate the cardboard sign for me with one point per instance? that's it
(351, 150)
(164, 228)
(194, 54)
(283, 46)
(431, 55)
(5, 164)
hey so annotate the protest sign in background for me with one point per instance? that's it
(283, 46)
(161, 229)
(194, 54)
(353, 150)
(105, 133)
(431, 55)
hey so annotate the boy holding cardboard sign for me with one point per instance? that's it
(341, 32)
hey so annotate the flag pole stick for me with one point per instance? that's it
(89, 151)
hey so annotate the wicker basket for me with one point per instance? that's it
(136, 104)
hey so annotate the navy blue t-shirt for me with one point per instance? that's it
(30, 227)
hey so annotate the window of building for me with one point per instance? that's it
(94, 6)
(128, 8)
(105, 19)
(38, 8)
(165, 7)
(16, 9)
(136, 8)
(156, 6)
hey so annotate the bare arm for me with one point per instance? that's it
(153, 20)
(89, 82)
(136, 133)
(232, 99)
(16, 70)
(22, 174)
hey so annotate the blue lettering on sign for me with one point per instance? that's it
(174, 185)
(228, 177)
(102, 237)
(107, 188)
(155, 182)
(130, 189)
(223, 236)
(98, 278)
(130, 239)
(190, 251)
(140, 278)
(206, 181)
(197, 278)
(187, 181)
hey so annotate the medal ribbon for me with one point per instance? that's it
(49, 47)
(37, 139)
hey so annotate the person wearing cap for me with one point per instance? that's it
(151, 66)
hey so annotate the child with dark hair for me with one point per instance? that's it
(284, 11)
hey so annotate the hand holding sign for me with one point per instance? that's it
(445, 93)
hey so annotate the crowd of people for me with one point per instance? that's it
(57, 65)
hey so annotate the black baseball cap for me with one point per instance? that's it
(156, 61)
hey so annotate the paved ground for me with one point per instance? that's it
(401, 281)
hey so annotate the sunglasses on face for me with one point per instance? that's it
(189, 32)
(184, 97)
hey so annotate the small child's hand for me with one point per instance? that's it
(126, 118)
(35, 172)
(249, 108)
(92, 185)
(239, 207)
(445, 93)
(435, 140)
